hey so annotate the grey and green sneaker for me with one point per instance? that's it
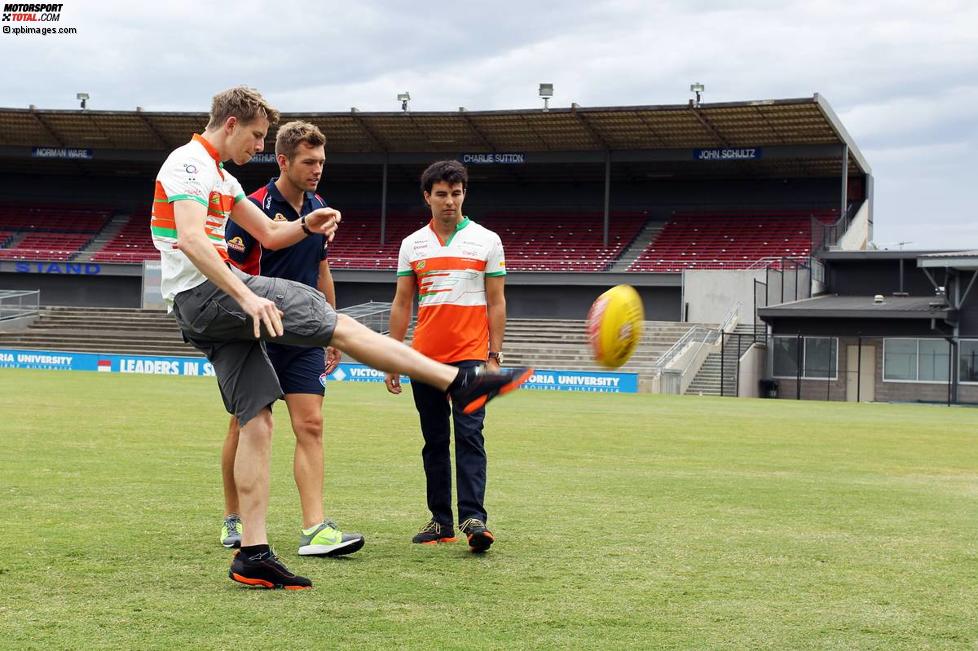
(325, 539)
(231, 531)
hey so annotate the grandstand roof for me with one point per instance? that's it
(859, 307)
(960, 260)
(767, 123)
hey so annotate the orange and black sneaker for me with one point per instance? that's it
(434, 533)
(480, 538)
(264, 570)
(474, 387)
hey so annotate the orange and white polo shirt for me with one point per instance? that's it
(453, 324)
(193, 172)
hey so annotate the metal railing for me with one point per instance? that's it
(826, 235)
(375, 315)
(15, 304)
(698, 336)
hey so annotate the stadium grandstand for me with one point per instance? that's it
(641, 192)
(583, 198)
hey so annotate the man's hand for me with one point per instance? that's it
(261, 310)
(492, 365)
(393, 382)
(333, 358)
(325, 221)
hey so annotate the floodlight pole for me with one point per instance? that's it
(607, 194)
(383, 200)
(843, 204)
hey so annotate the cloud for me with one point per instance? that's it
(901, 74)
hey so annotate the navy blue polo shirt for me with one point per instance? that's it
(299, 262)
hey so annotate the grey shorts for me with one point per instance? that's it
(216, 325)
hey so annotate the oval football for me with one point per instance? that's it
(614, 325)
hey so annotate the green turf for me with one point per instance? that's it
(623, 521)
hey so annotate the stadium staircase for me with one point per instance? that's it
(707, 380)
(641, 242)
(542, 343)
(106, 235)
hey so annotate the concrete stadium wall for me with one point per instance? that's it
(536, 302)
(78, 291)
(565, 301)
(710, 293)
(752, 369)
(858, 235)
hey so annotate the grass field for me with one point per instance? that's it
(629, 521)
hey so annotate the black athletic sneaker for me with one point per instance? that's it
(480, 538)
(264, 570)
(434, 533)
(479, 386)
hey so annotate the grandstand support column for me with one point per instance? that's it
(607, 193)
(843, 205)
(383, 200)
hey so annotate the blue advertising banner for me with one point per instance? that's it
(54, 360)
(590, 381)
(728, 153)
(62, 152)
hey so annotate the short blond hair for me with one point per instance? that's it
(240, 102)
(291, 134)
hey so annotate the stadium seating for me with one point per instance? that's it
(729, 240)
(357, 246)
(552, 241)
(131, 244)
(48, 232)
(47, 246)
(537, 241)
(53, 218)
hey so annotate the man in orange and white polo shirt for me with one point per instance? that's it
(457, 268)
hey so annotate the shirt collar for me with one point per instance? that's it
(210, 150)
(459, 226)
(276, 194)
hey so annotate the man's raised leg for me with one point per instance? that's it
(469, 388)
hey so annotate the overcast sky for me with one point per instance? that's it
(903, 76)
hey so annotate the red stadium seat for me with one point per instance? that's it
(730, 240)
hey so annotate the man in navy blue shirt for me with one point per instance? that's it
(301, 153)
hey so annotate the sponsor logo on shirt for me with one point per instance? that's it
(190, 168)
(279, 217)
(236, 243)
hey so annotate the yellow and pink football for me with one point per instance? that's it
(614, 325)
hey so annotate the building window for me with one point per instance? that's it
(916, 360)
(968, 360)
(819, 357)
